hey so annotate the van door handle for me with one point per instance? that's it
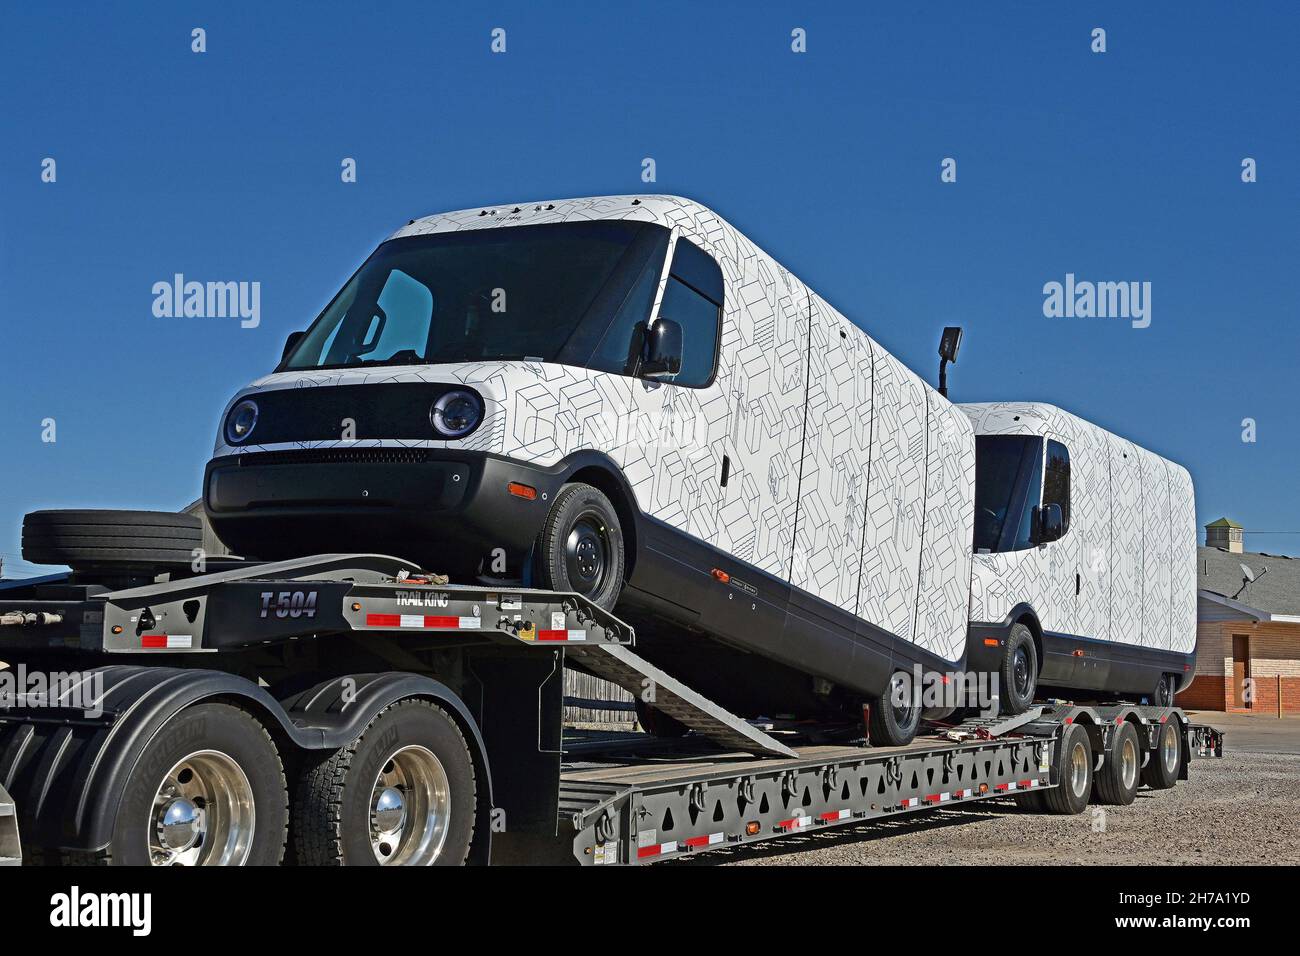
(1077, 583)
(726, 471)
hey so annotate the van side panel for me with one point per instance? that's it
(1090, 502)
(1156, 577)
(1126, 542)
(1182, 512)
(948, 533)
(836, 459)
(768, 378)
(891, 553)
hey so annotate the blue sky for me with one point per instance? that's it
(1122, 166)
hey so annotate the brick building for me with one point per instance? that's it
(1248, 631)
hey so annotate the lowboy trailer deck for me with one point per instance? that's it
(357, 710)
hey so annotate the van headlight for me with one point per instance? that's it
(241, 421)
(456, 414)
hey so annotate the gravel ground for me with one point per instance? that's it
(1241, 809)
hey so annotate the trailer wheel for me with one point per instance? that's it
(1117, 781)
(1074, 765)
(1161, 771)
(657, 723)
(208, 790)
(895, 715)
(1019, 671)
(401, 794)
(88, 539)
(580, 547)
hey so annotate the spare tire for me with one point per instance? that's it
(83, 538)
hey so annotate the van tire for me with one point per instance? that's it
(887, 726)
(1161, 771)
(1117, 781)
(580, 547)
(1074, 771)
(1019, 671)
(1163, 696)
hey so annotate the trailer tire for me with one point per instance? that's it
(657, 723)
(1030, 801)
(1161, 771)
(213, 758)
(411, 761)
(87, 538)
(892, 725)
(1074, 768)
(1019, 671)
(1117, 782)
(580, 547)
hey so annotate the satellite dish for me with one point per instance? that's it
(1247, 573)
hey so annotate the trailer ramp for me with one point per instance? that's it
(636, 675)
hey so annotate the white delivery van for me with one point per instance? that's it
(1085, 557)
(625, 397)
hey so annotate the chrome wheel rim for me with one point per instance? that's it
(410, 808)
(1079, 760)
(1169, 747)
(1128, 763)
(202, 813)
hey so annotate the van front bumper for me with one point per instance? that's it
(444, 509)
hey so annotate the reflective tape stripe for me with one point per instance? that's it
(424, 622)
(166, 640)
(710, 840)
(561, 635)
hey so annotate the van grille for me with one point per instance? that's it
(337, 456)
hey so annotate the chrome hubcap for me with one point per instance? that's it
(1079, 768)
(1128, 764)
(1169, 747)
(202, 813)
(410, 809)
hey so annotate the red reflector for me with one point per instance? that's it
(990, 642)
(153, 640)
(383, 620)
(1078, 653)
(527, 492)
(721, 575)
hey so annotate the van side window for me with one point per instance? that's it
(1056, 480)
(693, 299)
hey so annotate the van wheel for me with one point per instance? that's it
(1117, 781)
(895, 716)
(1074, 769)
(401, 794)
(208, 790)
(580, 547)
(1164, 692)
(1161, 771)
(1019, 672)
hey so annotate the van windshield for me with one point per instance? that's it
(544, 293)
(1008, 483)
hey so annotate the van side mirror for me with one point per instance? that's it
(290, 343)
(1051, 523)
(663, 350)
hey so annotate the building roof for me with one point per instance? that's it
(1276, 593)
(1223, 523)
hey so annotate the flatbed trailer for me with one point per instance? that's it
(315, 654)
